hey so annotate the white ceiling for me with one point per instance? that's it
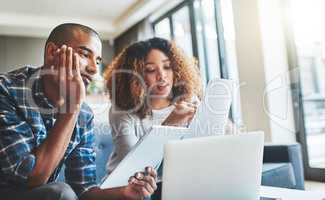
(109, 17)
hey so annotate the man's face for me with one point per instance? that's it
(89, 48)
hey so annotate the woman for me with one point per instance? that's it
(150, 83)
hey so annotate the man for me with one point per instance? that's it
(44, 123)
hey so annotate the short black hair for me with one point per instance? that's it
(63, 33)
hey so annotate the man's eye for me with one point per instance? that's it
(84, 54)
(149, 70)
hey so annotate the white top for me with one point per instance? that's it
(127, 130)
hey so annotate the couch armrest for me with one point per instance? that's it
(277, 153)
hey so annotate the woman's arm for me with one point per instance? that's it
(123, 134)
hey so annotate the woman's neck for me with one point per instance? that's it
(159, 103)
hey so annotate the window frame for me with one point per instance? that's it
(193, 22)
(222, 54)
(310, 173)
(169, 15)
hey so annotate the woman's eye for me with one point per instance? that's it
(167, 67)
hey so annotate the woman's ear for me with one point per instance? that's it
(50, 49)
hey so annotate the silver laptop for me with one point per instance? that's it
(211, 168)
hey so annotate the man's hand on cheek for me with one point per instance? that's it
(72, 90)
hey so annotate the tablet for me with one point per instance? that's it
(147, 152)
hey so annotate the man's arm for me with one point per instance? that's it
(51, 151)
(141, 185)
(107, 194)
(16, 135)
(81, 171)
(21, 163)
(72, 94)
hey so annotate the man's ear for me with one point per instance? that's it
(50, 49)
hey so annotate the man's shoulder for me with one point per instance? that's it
(86, 113)
(16, 78)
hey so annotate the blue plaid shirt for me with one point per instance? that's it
(26, 119)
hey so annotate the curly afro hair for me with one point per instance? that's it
(123, 76)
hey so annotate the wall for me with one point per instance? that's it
(138, 32)
(277, 73)
(250, 64)
(18, 51)
(261, 58)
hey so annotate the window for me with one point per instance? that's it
(176, 25)
(204, 29)
(208, 37)
(182, 29)
(162, 29)
(193, 26)
(309, 41)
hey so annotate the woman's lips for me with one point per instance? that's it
(162, 87)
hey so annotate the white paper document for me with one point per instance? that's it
(212, 114)
(210, 119)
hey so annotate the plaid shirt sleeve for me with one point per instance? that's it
(80, 172)
(16, 160)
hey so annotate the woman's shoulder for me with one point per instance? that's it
(116, 114)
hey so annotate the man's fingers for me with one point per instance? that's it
(69, 63)
(151, 171)
(54, 69)
(139, 187)
(62, 77)
(144, 185)
(148, 180)
(142, 191)
(77, 73)
(62, 64)
(150, 183)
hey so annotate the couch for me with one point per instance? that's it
(282, 166)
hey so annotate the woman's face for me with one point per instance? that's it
(158, 74)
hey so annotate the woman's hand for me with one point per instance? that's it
(181, 115)
(141, 185)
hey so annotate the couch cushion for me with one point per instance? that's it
(278, 175)
(286, 153)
